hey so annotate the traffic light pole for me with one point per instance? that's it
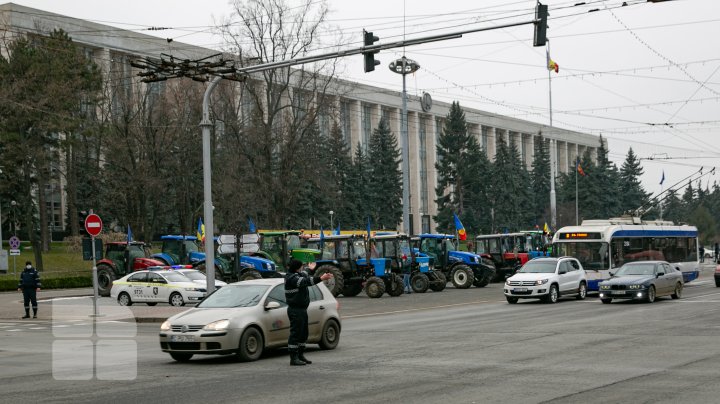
(405, 158)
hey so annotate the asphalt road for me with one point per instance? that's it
(457, 346)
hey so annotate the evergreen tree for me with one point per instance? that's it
(340, 165)
(511, 187)
(540, 180)
(633, 195)
(456, 149)
(476, 217)
(386, 185)
(359, 192)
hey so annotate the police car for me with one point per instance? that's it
(153, 287)
(198, 277)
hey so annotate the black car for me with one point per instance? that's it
(642, 280)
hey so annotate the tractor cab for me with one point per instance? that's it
(180, 250)
(122, 258)
(464, 269)
(278, 246)
(508, 251)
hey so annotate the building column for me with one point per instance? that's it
(414, 156)
(432, 139)
(492, 143)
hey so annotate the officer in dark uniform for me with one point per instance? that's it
(298, 300)
(29, 285)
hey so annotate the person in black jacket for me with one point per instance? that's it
(29, 285)
(297, 283)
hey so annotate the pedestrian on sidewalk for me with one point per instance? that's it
(29, 285)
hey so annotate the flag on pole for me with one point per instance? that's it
(579, 168)
(337, 230)
(546, 229)
(552, 65)
(322, 238)
(368, 229)
(129, 235)
(459, 228)
(251, 225)
(663, 178)
(201, 230)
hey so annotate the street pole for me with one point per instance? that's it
(405, 154)
(553, 147)
(94, 278)
(206, 124)
(576, 193)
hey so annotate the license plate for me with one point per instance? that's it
(520, 290)
(618, 292)
(182, 338)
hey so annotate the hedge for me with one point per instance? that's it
(51, 283)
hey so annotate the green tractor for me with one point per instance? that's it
(278, 246)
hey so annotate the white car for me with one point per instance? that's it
(153, 287)
(199, 277)
(547, 279)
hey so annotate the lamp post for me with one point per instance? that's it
(405, 66)
(331, 222)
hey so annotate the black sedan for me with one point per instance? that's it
(642, 280)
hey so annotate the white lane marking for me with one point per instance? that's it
(16, 329)
(697, 283)
(55, 299)
(38, 328)
(60, 325)
(705, 295)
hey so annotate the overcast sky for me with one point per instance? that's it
(645, 75)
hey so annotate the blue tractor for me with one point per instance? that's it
(404, 259)
(178, 250)
(464, 269)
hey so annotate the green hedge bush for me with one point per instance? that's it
(51, 283)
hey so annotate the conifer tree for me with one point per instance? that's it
(386, 178)
(540, 180)
(633, 195)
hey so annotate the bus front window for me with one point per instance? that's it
(592, 256)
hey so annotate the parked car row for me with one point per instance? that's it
(548, 279)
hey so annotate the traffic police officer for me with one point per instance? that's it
(297, 283)
(29, 284)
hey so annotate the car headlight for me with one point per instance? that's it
(219, 325)
(635, 286)
(165, 326)
(604, 287)
(507, 281)
(541, 281)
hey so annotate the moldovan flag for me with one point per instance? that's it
(201, 230)
(579, 168)
(459, 228)
(663, 178)
(552, 65)
(546, 229)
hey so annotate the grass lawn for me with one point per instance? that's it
(59, 262)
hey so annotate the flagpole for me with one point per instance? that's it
(553, 145)
(577, 165)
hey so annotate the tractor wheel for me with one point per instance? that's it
(374, 287)
(352, 289)
(439, 281)
(419, 283)
(219, 275)
(394, 286)
(462, 277)
(481, 282)
(106, 276)
(249, 275)
(335, 284)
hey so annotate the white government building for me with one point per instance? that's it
(359, 110)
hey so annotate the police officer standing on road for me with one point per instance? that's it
(298, 300)
(29, 285)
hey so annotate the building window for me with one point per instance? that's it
(366, 126)
(425, 224)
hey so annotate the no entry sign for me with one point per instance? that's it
(93, 224)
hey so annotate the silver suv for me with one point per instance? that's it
(547, 279)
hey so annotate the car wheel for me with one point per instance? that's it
(251, 345)
(249, 275)
(419, 283)
(176, 300)
(651, 294)
(124, 299)
(717, 283)
(151, 303)
(552, 296)
(181, 357)
(438, 281)
(481, 282)
(606, 301)
(678, 291)
(330, 335)
(582, 293)
(462, 277)
(511, 300)
(374, 287)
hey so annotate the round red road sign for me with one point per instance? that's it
(93, 224)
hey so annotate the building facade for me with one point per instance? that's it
(358, 111)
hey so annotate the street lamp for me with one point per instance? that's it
(331, 215)
(13, 204)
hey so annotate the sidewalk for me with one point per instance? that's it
(73, 304)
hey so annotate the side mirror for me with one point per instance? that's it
(562, 271)
(611, 274)
(272, 305)
(659, 274)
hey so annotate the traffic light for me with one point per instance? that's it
(370, 61)
(541, 14)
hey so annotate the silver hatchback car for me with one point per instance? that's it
(245, 318)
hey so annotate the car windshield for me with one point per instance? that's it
(194, 275)
(539, 267)
(176, 277)
(636, 269)
(235, 296)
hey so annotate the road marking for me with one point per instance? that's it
(706, 295)
(16, 329)
(38, 328)
(699, 301)
(697, 283)
(61, 325)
